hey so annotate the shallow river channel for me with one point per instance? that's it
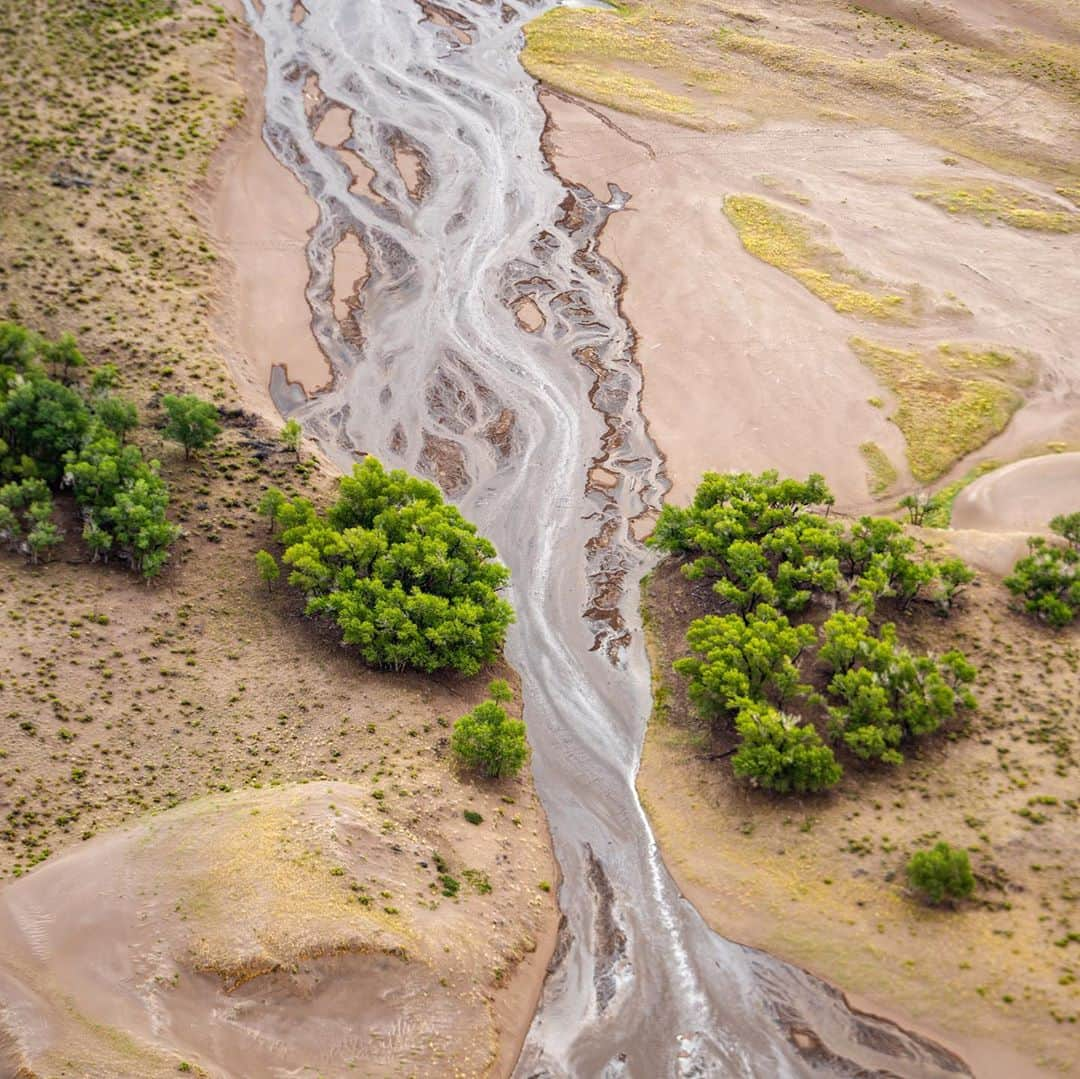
(486, 349)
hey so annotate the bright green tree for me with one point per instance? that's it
(781, 754)
(191, 421)
(117, 415)
(404, 575)
(64, 356)
(741, 660)
(487, 740)
(940, 873)
(269, 570)
(1048, 580)
(291, 436)
(270, 506)
(42, 421)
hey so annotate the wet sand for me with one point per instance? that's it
(744, 368)
(1022, 496)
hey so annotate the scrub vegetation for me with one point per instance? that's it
(1000, 204)
(791, 243)
(786, 679)
(820, 877)
(943, 415)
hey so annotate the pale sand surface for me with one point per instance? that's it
(744, 368)
(229, 931)
(1023, 495)
(260, 218)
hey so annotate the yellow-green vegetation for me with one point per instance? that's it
(882, 473)
(939, 512)
(790, 242)
(585, 51)
(942, 416)
(1010, 365)
(1001, 203)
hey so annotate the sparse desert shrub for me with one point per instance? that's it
(941, 873)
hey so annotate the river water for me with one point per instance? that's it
(539, 437)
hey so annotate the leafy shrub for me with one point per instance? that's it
(771, 553)
(1048, 577)
(941, 872)
(488, 740)
(743, 659)
(404, 575)
(48, 433)
(781, 754)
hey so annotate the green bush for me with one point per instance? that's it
(1048, 577)
(940, 873)
(488, 741)
(739, 660)
(191, 421)
(403, 574)
(771, 552)
(781, 754)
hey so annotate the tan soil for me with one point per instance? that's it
(820, 882)
(530, 318)
(261, 218)
(335, 127)
(744, 368)
(242, 930)
(1023, 495)
(350, 273)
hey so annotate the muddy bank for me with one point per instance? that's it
(746, 368)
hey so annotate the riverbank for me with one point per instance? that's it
(137, 701)
(819, 880)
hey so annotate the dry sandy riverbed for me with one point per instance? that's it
(745, 368)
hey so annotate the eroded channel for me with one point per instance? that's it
(477, 339)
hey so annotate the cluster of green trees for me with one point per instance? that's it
(1048, 577)
(55, 434)
(771, 551)
(487, 740)
(405, 576)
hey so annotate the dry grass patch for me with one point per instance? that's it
(1000, 203)
(792, 243)
(943, 416)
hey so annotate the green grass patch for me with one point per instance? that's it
(790, 242)
(940, 516)
(942, 416)
(881, 474)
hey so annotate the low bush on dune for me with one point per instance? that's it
(487, 740)
(1048, 577)
(404, 576)
(941, 872)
